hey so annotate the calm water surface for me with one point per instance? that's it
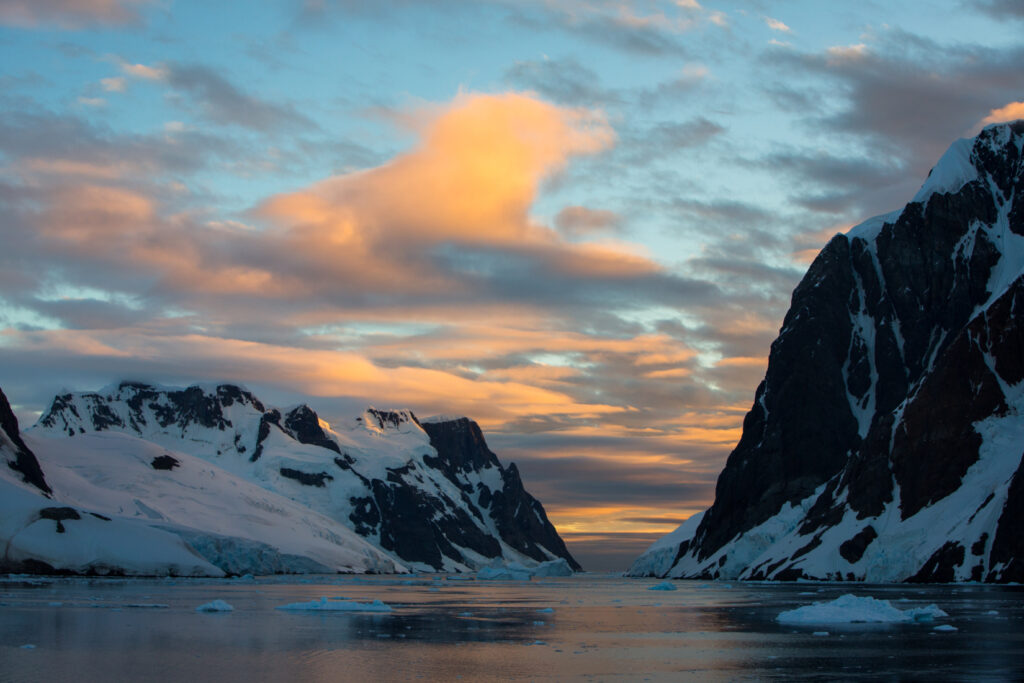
(598, 628)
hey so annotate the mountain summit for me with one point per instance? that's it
(885, 442)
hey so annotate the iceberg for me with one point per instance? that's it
(514, 571)
(850, 609)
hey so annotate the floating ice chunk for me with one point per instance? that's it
(820, 633)
(992, 613)
(850, 609)
(546, 610)
(215, 606)
(28, 646)
(325, 605)
(663, 586)
(514, 571)
(946, 628)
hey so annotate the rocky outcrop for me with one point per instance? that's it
(892, 398)
(18, 456)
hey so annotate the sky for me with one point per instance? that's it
(578, 222)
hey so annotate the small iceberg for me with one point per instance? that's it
(514, 571)
(215, 606)
(850, 609)
(663, 586)
(325, 605)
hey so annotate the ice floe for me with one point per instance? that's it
(851, 609)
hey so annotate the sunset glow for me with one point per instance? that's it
(577, 222)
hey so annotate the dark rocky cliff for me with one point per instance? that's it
(21, 459)
(901, 351)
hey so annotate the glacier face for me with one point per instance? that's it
(380, 493)
(885, 442)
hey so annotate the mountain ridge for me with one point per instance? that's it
(433, 495)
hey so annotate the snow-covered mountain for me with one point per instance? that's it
(885, 442)
(430, 495)
(42, 534)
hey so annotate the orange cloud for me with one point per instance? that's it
(1011, 112)
(472, 179)
(315, 372)
(89, 216)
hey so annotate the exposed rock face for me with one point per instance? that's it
(432, 494)
(20, 458)
(893, 398)
(519, 517)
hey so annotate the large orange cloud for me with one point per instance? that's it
(470, 182)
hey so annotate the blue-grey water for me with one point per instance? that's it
(595, 628)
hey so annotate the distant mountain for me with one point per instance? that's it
(885, 442)
(431, 495)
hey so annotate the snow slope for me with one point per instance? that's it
(236, 525)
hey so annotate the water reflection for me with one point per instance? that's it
(590, 627)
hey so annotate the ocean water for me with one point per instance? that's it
(593, 628)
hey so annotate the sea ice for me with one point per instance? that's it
(215, 606)
(946, 627)
(324, 605)
(850, 609)
(663, 586)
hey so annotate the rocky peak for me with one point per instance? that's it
(382, 420)
(24, 462)
(461, 444)
(304, 424)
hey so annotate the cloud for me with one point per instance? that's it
(668, 138)
(564, 81)
(69, 14)
(895, 101)
(1001, 9)
(610, 23)
(223, 102)
(113, 84)
(776, 25)
(911, 95)
(576, 221)
(1011, 112)
(126, 352)
(149, 73)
